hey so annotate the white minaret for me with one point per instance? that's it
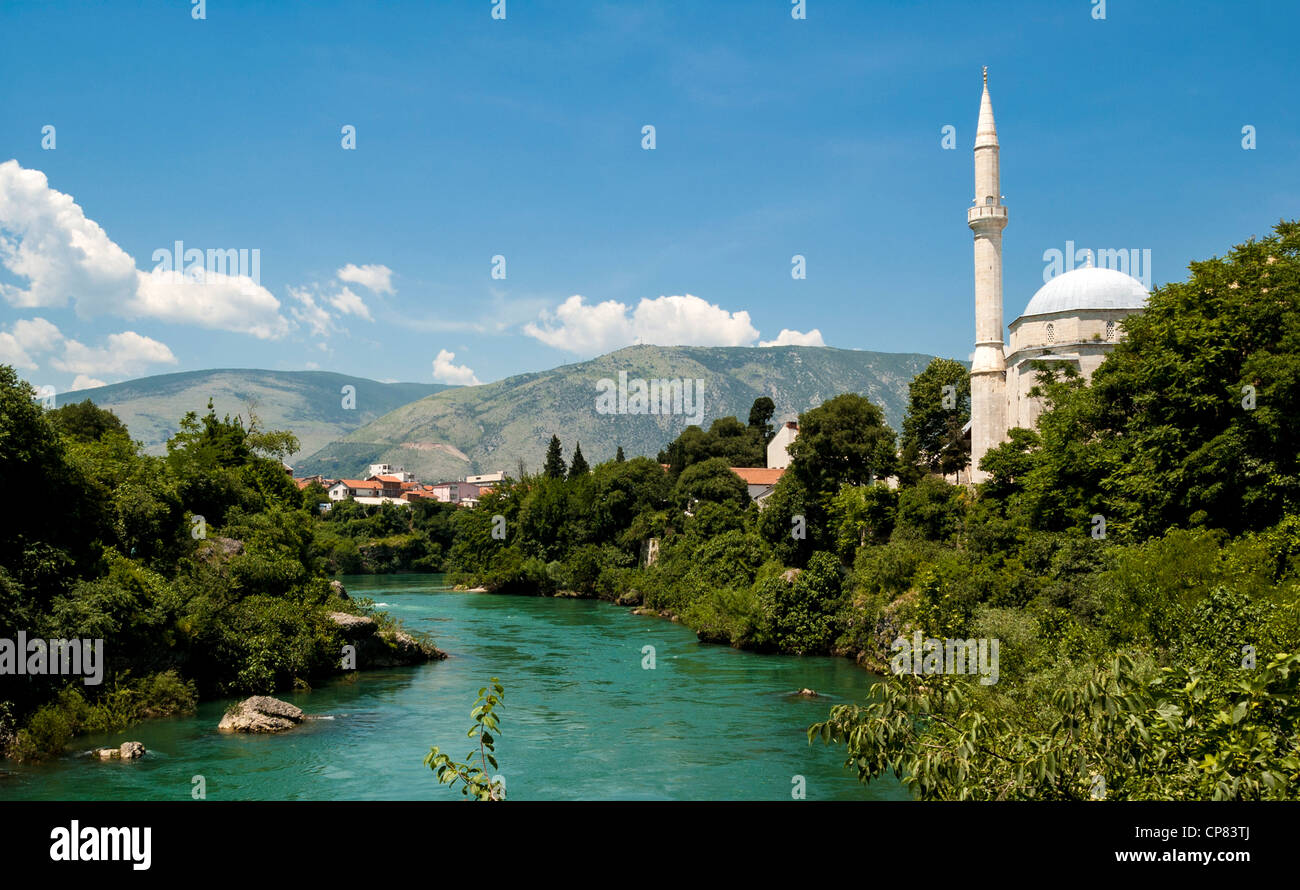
(987, 218)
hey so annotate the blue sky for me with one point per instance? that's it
(522, 138)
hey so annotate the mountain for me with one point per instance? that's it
(481, 429)
(310, 403)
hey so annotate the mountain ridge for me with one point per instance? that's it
(492, 426)
(310, 403)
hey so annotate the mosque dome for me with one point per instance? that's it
(1088, 288)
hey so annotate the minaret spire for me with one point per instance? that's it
(987, 218)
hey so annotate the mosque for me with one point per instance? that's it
(1072, 319)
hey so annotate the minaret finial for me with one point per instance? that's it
(986, 75)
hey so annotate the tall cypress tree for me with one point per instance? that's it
(619, 456)
(554, 468)
(578, 466)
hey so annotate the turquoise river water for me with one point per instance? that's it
(582, 718)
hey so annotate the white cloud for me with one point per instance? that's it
(446, 372)
(62, 254)
(124, 354)
(13, 353)
(788, 337)
(222, 302)
(47, 240)
(316, 319)
(377, 279)
(348, 303)
(577, 326)
(25, 339)
(37, 334)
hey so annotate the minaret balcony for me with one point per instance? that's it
(987, 214)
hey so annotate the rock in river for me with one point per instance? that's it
(380, 648)
(261, 713)
(126, 751)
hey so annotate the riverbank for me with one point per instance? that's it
(872, 659)
(584, 718)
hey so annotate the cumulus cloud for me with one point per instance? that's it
(25, 339)
(348, 303)
(83, 382)
(13, 353)
(37, 333)
(788, 337)
(445, 371)
(377, 279)
(580, 327)
(221, 302)
(122, 354)
(47, 241)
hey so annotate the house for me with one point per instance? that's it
(366, 491)
(354, 488)
(378, 470)
(760, 481)
(778, 450)
(457, 492)
(390, 486)
(498, 476)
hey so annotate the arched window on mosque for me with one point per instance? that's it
(1051, 333)
(1110, 330)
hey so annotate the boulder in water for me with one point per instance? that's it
(261, 713)
(125, 751)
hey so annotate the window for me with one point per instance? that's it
(1051, 333)
(1110, 330)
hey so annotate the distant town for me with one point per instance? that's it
(387, 484)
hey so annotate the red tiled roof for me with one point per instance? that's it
(759, 475)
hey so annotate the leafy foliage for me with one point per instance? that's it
(477, 781)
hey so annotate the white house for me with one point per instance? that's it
(778, 450)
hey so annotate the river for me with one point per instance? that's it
(582, 718)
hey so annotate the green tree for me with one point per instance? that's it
(618, 456)
(727, 439)
(710, 480)
(85, 421)
(760, 417)
(938, 407)
(578, 466)
(554, 466)
(844, 441)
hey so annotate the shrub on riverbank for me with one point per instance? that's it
(129, 700)
(197, 570)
